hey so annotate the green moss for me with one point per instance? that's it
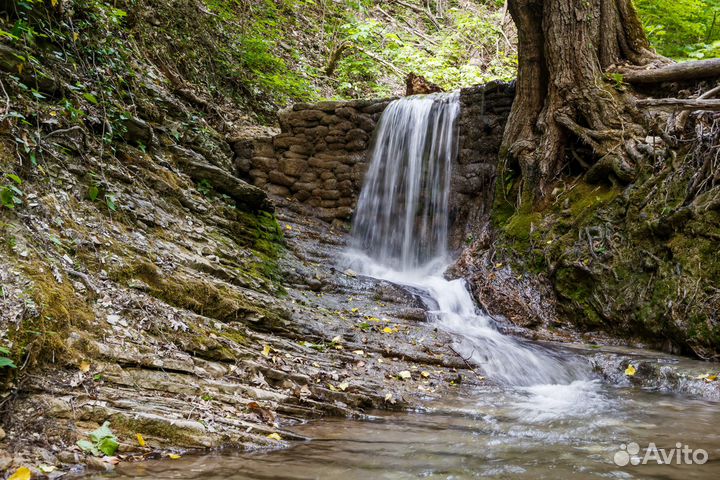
(214, 300)
(127, 427)
(60, 308)
(577, 286)
(519, 226)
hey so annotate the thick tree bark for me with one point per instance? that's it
(564, 48)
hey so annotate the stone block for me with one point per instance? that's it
(279, 178)
(293, 167)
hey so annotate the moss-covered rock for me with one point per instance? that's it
(640, 262)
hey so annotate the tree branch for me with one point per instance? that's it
(682, 116)
(420, 10)
(675, 72)
(680, 103)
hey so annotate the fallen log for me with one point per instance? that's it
(680, 103)
(674, 72)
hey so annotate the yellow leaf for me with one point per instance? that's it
(75, 36)
(174, 456)
(54, 3)
(266, 351)
(288, 227)
(387, 330)
(22, 473)
(84, 366)
(332, 387)
(355, 310)
(405, 375)
(343, 386)
(630, 371)
(20, 67)
(425, 374)
(140, 439)
(711, 378)
(275, 436)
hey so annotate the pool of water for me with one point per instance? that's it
(553, 432)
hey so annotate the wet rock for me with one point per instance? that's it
(314, 284)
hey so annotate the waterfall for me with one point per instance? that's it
(400, 234)
(402, 213)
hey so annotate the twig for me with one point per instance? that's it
(682, 116)
(470, 367)
(7, 101)
(420, 10)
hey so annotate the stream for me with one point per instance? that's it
(480, 433)
(543, 414)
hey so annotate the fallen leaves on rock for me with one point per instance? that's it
(22, 473)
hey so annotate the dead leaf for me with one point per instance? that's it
(405, 375)
(22, 473)
(275, 436)
(425, 374)
(47, 468)
(266, 351)
(267, 415)
(343, 386)
(84, 366)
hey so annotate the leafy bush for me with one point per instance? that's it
(682, 28)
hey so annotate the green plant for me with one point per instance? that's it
(102, 441)
(6, 361)
(682, 28)
(10, 192)
(205, 187)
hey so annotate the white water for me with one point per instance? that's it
(400, 234)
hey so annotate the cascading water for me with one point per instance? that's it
(402, 215)
(400, 234)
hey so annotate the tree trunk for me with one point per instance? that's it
(564, 48)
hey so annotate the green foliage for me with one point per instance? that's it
(205, 187)
(469, 49)
(10, 192)
(102, 442)
(4, 360)
(682, 28)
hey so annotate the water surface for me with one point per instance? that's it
(490, 432)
